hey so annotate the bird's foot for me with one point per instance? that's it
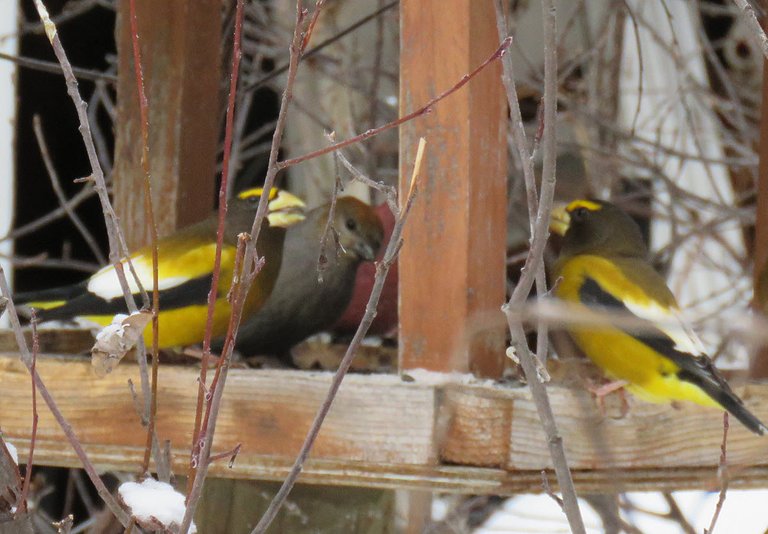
(602, 391)
(213, 359)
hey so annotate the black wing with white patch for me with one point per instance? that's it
(191, 292)
(696, 369)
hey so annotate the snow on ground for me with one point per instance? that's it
(744, 511)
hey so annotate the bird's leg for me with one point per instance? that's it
(602, 391)
(196, 352)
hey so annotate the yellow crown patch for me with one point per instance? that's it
(257, 192)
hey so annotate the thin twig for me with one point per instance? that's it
(150, 393)
(526, 160)
(548, 490)
(80, 197)
(330, 230)
(373, 89)
(213, 294)
(316, 49)
(59, 191)
(26, 358)
(722, 474)
(640, 67)
(251, 265)
(205, 427)
(533, 264)
(117, 243)
(205, 441)
(426, 108)
(676, 514)
(55, 68)
(33, 439)
(42, 260)
(382, 268)
(388, 190)
(71, 10)
(231, 454)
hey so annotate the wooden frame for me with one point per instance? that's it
(180, 44)
(452, 266)
(388, 433)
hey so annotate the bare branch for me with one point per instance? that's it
(534, 262)
(62, 198)
(26, 358)
(382, 268)
(426, 108)
(722, 474)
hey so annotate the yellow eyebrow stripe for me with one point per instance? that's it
(257, 192)
(588, 204)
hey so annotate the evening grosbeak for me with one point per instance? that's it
(185, 265)
(301, 304)
(603, 264)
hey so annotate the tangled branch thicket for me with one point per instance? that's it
(658, 109)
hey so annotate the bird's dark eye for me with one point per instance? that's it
(351, 224)
(579, 214)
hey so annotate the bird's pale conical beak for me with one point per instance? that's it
(365, 251)
(285, 210)
(559, 220)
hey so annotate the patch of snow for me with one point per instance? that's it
(13, 452)
(436, 378)
(440, 508)
(372, 341)
(154, 504)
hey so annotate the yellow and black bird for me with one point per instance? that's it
(185, 267)
(603, 263)
(302, 304)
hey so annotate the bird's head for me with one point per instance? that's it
(596, 227)
(284, 209)
(359, 229)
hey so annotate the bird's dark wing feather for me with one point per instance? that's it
(194, 291)
(696, 369)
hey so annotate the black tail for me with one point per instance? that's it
(746, 417)
(714, 385)
(49, 295)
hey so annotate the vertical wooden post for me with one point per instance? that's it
(180, 46)
(452, 264)
(759, 363)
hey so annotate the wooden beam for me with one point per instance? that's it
(383, 432)
(452, 264)
(759, 363)
(237, 505)
(180, 47)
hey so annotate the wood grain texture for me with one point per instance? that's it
(269, 412)
(759, 363)
(452, 262)
(180, 45)
(386, 433)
